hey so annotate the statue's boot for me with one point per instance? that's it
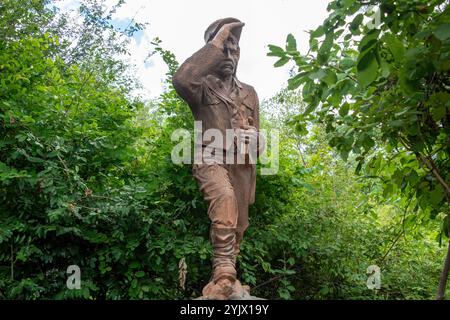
(236, 251)
(224, 275)
(237, 246)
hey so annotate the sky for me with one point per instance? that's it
(180, 24)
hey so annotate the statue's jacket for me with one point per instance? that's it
(195, 82)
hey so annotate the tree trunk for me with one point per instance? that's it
(444, 276)
(429, 163)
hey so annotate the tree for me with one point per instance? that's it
(377, 74)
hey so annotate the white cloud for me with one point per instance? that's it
(181, 24)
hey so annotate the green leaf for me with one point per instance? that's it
(324, 51)
(395, 47)
(140, 274)
(291, 43)
(296, 81)
(367, 68)
(281, 62)
(437, 195)
(301, 129)
(307, 89)
(388, 190)
(438, 104)
(330, 77)
(276, 51)
(310, 108)
(347, 63)
(358, 167)
(368, 40)
(438, 112)
(396, 123)
(344, 154)
(320, 31)
(412, 177)
(319, 74)
(443, 32)
(343, 110)
(35, 159)
(356, 22)
(348, 3)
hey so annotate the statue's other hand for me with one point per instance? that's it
(249, 135)
(253, 137)
(248, 127)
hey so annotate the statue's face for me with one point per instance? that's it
(231, 51)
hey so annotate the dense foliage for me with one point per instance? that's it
(377, 76)
(86, 179)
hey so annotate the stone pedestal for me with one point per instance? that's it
(227, 291)
(244, 297)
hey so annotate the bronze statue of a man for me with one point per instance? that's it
(207, 82)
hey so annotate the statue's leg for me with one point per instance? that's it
(215, 185)
(240, 180)
(241, 226)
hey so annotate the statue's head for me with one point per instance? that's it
(229, 64)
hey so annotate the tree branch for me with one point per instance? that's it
(428, 162)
